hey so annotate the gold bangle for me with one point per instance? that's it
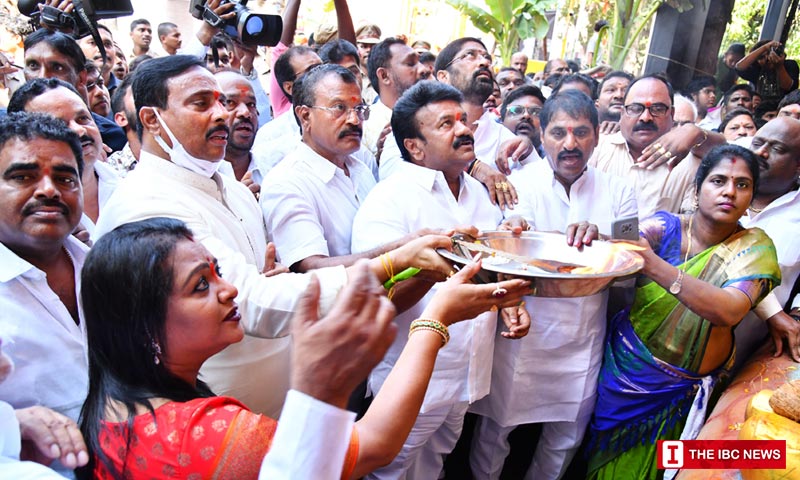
(431, 325)
(701, 142)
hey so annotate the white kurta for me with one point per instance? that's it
(565, 343)
(40, 336)
(657, 189)
(224, 216)
(309, 204)
(412, 199)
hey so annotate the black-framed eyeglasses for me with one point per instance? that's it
(471, 55)
(656, 109)
(338, 110)
(518, 110)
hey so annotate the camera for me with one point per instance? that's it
(251, 28)
(81, 21)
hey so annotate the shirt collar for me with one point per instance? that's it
(212, 186)
(427, 178)
(13, 266)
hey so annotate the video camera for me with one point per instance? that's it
(251, 28)
(82, 21)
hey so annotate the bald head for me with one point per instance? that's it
(777, 144)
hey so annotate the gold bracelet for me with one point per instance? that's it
(431, 325)
(701, 142)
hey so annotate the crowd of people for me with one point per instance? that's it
(206, 278)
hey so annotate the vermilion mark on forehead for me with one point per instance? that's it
(47, 171)
(569, 129)
(459, 115)
(733, 160)
(354, 99)
(213, 266)
(244, 90)
(647, 104)
(217, 95)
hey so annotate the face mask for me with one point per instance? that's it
(180, 156)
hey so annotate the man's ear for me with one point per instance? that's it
(121, 120)
(443, 77)
(82, 77)
(150, 123)
(383, 75)
(414, 147)
(303, 114)
(287, 87)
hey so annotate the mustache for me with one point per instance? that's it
(463, 140)
(34, 205)
(482, 70)
(218, 128)
(87, 139)
(573, 152)
(645, 126)
(350, 130)
(244, 121)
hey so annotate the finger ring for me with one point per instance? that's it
(493, 309)
(661, 150)
(668, 154)
(504, 186)
(498, 186)
(499, 292)
(656, 145)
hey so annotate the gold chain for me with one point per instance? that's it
(689, 246)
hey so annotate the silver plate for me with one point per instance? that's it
(613, 263)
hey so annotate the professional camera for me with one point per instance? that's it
(83, 18)
(251, 28)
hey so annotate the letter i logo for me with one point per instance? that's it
(672, 454)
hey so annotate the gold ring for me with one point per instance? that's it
(499, 292)
(657, 145)
(498, 186)
(661, 150)
(668, 154)
(504, 186)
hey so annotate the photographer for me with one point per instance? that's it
(768, 70)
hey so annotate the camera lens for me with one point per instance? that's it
(254, 25)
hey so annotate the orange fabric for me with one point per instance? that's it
(206, 438)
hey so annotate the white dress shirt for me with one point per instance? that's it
(309, 204)
(657, 189)
(413, 198)
(223, 215)
(565, 344)
(311, 441)
(41, 337)
(379, 116)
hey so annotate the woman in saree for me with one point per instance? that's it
(666, 352)
(156, 308)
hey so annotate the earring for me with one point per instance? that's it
(156, 349)
(696, 203)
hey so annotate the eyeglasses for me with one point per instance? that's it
(361, 111)
(518, 110)
(656, 109)
(470, 55)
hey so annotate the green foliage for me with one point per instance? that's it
(745, 24)
(507, 21)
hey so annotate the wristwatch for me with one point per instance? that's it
(675, 288)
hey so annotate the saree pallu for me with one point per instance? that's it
(207, 438)
(648, 381)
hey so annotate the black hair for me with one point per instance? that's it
(552, 80)
(590, 83)
(28, 126)
(118, 102)
(150, 81)
(699, 83)
(33, 88)
(733, 114)
(379, 57)
(723, 152)
(614, 74)
(425, 57)
(655, 76)
(139, 21)
(791, 98)
(90, 67)
(283, 70)
(139, 60)
(573, 102)
(449, 52)
(165, 28)
(334, 51)
(404, 121)
(61, 43)
(523, 91)
(126, 283)
(736, 48)
(739, 86)
(764, 107)
(305, 87)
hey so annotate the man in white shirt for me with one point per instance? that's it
(466, 65)
(240, 101)
(431, 190)
(646, 117)
(40, 264)
(311, 197)
(393, 68)
(776, 206)
(566, 344)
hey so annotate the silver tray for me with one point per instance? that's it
(614, 263)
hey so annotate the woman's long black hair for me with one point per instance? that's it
(126, 282)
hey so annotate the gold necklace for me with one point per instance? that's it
(755, 210)
(675, 288)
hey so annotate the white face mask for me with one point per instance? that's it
(180, 156)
